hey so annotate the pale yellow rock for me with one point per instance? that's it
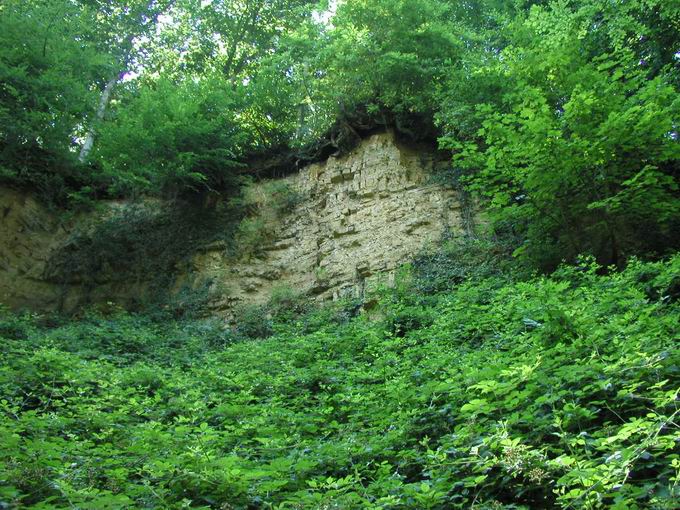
(364, 215)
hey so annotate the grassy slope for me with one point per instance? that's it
(557, 392)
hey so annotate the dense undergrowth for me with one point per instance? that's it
(550, 392)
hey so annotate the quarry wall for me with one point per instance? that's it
(358, 218)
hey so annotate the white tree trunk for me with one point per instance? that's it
(98, 117)
(88, 144)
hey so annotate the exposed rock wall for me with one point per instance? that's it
(361, 216)
(29, 235)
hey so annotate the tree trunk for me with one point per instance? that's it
(86, 149)
(98, 117)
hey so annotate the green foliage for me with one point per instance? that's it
(116, 336)
(14, 327)
(577, 150)
(461, 259)
(552, 392)
(254, 322)
(287, 304)
(387, 56)
(177, 117)
(285, 309)
(48, 61)
(265, 204)
(208, 96)
(171, 137)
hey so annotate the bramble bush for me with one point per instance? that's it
(550, 392)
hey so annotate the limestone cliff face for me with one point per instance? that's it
(360, 216)
(28, 234)
(31, 236)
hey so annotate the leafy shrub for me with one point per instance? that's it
(14, 327)
(549, 392)
(556, 119)
(461, 259)
(117, 338)
(286, 304)
(329, 315)
(404, 318)
(253, 321)
(284, 307)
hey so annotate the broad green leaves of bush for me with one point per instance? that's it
(553, 392)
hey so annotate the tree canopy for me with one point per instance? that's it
(562, 116)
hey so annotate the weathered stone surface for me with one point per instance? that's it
(28, 233)
(363, 215)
